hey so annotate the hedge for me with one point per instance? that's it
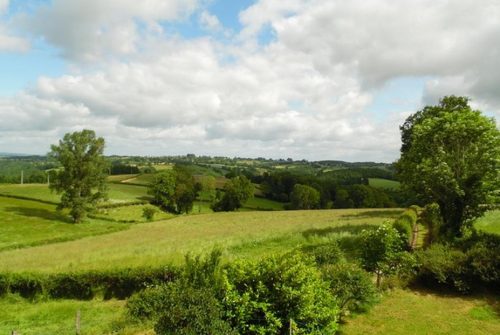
(120, 283)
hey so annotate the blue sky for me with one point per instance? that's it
(244, 78)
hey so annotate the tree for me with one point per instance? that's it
(174, 190)
(82, 179)
(236, 192)
(304, 197)
(381, 250)
(449, 155)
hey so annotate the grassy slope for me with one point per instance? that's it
(413, 312)
(25, 222)
(116, 192)
(245, 234)
(383, 183)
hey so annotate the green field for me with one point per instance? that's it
(490, 222)
(58, 316)
(383, 183)
(420, 312)
(242, 234)
(27, 223)
(116, 192)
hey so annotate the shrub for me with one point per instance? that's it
(351, 286)
(69, 286)
(379, 250)
(188, 310)
(148, 212)
(431, 218)
(329, 253)
(27, 285)
(147, 304)
(261, 297)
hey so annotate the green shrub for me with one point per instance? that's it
(148, 212)
(27, 285)
(187, 310)
(261, 297)
(432, 220)
(351, 286)
(69, 286)
(4, 284)
(329, 253)
(147, 304)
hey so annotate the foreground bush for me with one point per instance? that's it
(244, 297)
(469, 264)
(351, 286)
(261, 297)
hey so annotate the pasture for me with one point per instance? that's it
(383, 183)
(242, 234)
(423, 312)
(27, 223)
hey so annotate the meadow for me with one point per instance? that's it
(383, 183)
(242, 234)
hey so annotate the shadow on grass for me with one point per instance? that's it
(38, 213)
(345, 229)
(375, 214)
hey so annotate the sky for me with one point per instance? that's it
(301, 79)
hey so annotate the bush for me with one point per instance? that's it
(261, 297)
(147, 304)
(69, 286)
(329, 253)
(27, 285)
(188, 310)
(431, 218)
(148, 212)
(351, 286)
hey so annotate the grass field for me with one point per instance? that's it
(58, 316)
(420, 312)
(27, 223)
(243, 234)
(490, 222)
(130, 213)
(116, 192)
(383, 183)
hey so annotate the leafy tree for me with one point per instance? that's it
(174, 190)
(162, 188)
(236, 192)
(208, 187)
(449, 156)
(381, 249)
(82, 179)
(304, 197)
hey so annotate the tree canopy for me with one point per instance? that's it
(82, 179)
(236, 192)
(449, 155)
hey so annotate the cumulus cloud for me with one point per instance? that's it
(304, 94)
(89, 30)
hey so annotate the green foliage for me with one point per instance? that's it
(148, 212)
(323, 254)
(116, 283)
(450, 156)
(404, 224)
(381, 250)
(236, 192)
(432, 220)
(174, 190)
(351, 286)
(187, 310)
(82, 180)
(472, 263)
(261, 297)
(304, 197)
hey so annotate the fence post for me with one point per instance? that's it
(77, 322)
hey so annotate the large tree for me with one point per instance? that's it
(449, 156)
(304, 197)
(82, 178)
(236, 192)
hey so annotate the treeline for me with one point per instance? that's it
(335, 189)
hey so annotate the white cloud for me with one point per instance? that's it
(210, 22)
(4, 4)
(8, 42)
(90, 30)
(303, 95)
